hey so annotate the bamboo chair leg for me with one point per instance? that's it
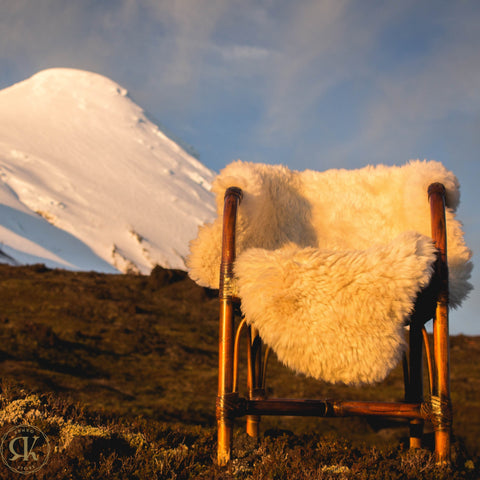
(254, 378)
(225, 384)
(414, 392)
(226, 398)
(442, 409)
(441, 403)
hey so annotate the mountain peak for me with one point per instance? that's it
(74, 78)
(48, 85)
(78, 152)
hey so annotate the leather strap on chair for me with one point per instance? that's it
(438, 410)
(227, 281)
(229, 406)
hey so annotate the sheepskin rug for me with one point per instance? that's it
(329, 263)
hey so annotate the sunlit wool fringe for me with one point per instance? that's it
(329, 263)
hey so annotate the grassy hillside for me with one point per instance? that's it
(119, 371)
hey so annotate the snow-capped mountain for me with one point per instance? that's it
(88, 182)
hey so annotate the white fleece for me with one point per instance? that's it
(324, 267)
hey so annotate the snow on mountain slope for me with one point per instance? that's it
(88, 182)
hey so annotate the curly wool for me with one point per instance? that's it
(311, 306)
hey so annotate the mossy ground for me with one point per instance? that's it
(119, 371)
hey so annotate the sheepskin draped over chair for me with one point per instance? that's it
(338, 257)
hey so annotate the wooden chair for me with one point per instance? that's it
(432, 302)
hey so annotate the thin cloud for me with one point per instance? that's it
(412, 100)
(321, 45)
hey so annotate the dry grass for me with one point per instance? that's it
(119, 371)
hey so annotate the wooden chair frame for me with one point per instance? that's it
(432, 302)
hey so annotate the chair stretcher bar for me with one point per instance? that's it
(332, 408)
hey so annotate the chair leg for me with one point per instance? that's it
(226, 397)
(414, 391)
(254, 378)
(224, 442)
(441, 410)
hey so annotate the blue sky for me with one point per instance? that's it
(309, 83)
